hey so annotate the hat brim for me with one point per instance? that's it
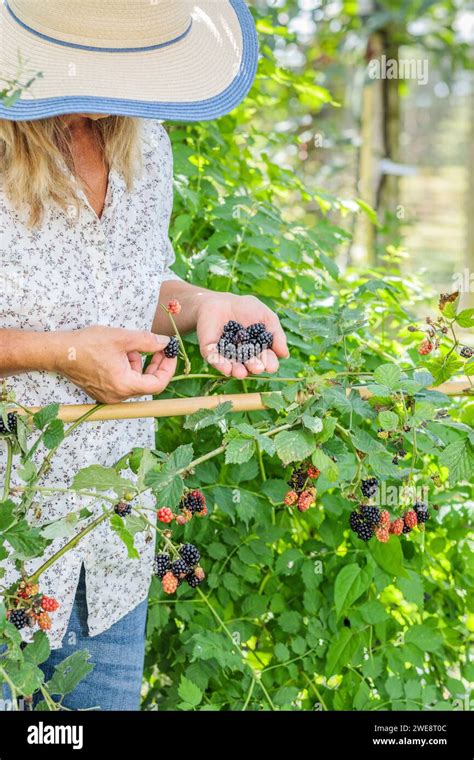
(200, 77)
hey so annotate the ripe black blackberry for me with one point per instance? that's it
(407, 529)
(266, 339)
(241, 336)
(19, 619)
(365, 531)
(122, 508)
(11, 424)
(193, 579)
(172, 349)
(369, 487)
(231, 328)
(190, 554)
(422, 511)
(179, 568)
(161, 565)
(194, 501)
(355, 520)
(245, 352)
(256, 331)
(466, 352)
(298, 478)
(371, 515)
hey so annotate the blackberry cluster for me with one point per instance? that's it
(161, 565)
(11, 424)
(122, 509)
(239, 343)
(194, 501)
(19, 619)
(172, 349)
(422, 511)
(190, 554)
(369, 487)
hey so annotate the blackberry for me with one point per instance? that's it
(179, 568)
(422, 511)
(231, 329)
(369, 487)
(161, 565)
(190, 554)
(122, 508)
(466, 352)
(245, 351)
(19, 619)
(255, 332)
(194, 501)
(371, 515)
(355, 520)
(365, 531)
(193, 579)
(407, 529)
(241, 336)
(298, 478)
(172, 349)
(266, 339)
(11, 424)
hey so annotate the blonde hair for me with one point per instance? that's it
(32, 174)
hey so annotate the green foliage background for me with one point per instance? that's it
(296, 613)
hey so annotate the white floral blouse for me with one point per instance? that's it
(67, 275)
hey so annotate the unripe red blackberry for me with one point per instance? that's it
(384, 519)
(165, 515)
(425, 347)
(396, 526)
(49, 604)
(313, 472)
(410, 519)
(174, 306)
(305, 500)
(291, 498)
(169, 583)
(382, 534)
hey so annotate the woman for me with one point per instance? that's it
(85, 203)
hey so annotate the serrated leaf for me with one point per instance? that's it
(465, 318)
(350, 584)
(239, 450)
(118, 526)
(189, 692)
(424, 637)
(204, 418)
(96, 477)
(46, 415)
(314, 424)
(70, 672)
(388, 375)
(294, 445)
(53, 434)
(389, 556)
(25, 540)
(458, 457)
(388, 420)
(39, 649)
(7, 517)
(324, 463)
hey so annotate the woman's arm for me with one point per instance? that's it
(207, 311)
(104, 361)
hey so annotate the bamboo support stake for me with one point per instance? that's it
(179, 407)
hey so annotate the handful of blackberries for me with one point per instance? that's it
(239, 343)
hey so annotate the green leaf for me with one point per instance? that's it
(65, 526)
(26, 676)
(53, 434)
(465, 318)
(118, 526)
(96, 477)
(313, 424)
(204, 418)
(340, 652)
(459, 458)
(46, 415)
(239, 450)
(7, 518)
(165, 481)
(294, 445)
(424, 637)
(189, 692)
(39, 649)
(25, 540)
(350, 584)
(389, 556)
(388, 375)
(70, 672)
(388, 420)
(324, 463)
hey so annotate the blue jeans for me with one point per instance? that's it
(117, 655)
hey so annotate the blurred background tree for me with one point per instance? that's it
(402, 145)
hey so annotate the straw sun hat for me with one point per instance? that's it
(188, 60)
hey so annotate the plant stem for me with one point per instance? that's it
(12, 686)
(249, 695)
(187, 363)
(8, 469)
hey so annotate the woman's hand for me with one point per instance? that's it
(106, 362)
(215, 310)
